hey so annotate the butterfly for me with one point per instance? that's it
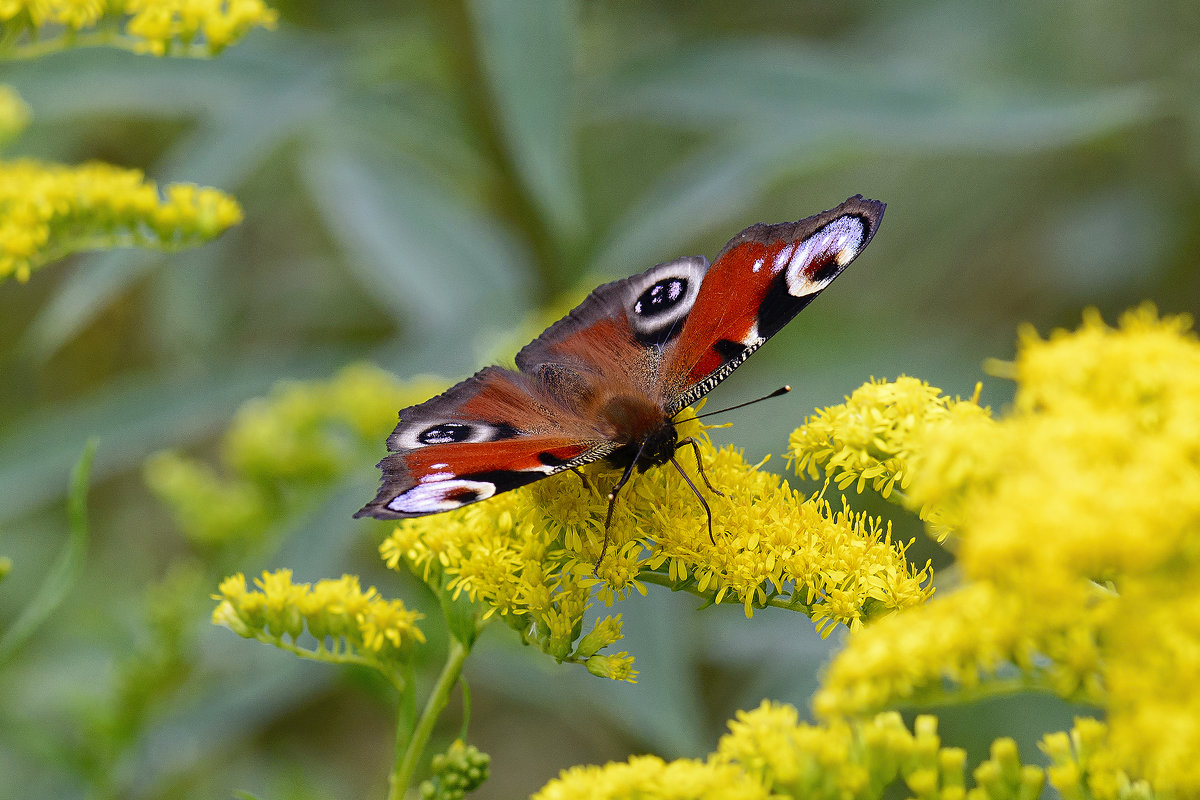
(605, 381)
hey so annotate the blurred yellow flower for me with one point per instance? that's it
(651, 777)
(1078, 536)
(347, 623)
(770, 753)
(302, 434)
(160, 27)
(50, 210)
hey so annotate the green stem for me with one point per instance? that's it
(1037, 682)
(409, 754)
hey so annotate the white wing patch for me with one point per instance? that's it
(429, 497)
(840, 239)
(664, 294)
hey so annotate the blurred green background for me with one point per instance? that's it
(419, 181)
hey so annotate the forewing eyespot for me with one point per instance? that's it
(445, 433)
(661, 297)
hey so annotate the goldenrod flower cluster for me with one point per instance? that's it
(769, 753)
(534, 555)
(870, 439)
(160, 27)
(346, 623)
(304, 434)
(1077, 518)
(50, 210)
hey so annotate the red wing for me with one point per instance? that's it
(491, 433)
(762, 278)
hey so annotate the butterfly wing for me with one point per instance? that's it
(491, 433)
(646, 311)
(762, 278)
(619, 365)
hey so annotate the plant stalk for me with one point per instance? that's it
(410, 748)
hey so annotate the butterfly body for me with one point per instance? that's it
(604, 382)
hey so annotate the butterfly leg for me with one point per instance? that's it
(699, 496)
(612, 504)
(582, 478)
(699, 464)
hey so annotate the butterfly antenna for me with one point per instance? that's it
(782, 390)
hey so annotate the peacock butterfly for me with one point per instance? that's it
(605, 381)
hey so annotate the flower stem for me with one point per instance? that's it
(410, 747)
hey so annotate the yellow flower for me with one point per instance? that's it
(531, 555)
(872, 438)
(1078, 524)
(769, 753)
(304, 433)
(50, 210)
(651, 777)
(164, 25)
(1083, 766)
(209, 509)
(161, 27)
(618, 667)
(967, 637)
(869, 439)
(346, 623)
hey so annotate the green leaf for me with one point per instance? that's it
(527, 49)
(427, 257)
(462, 616)
(136, 417)
(67, 566)
(710, 191)
(795, 91)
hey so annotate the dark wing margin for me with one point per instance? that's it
(762, 279)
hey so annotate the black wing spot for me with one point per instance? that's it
(728, 349)
(661, 297)
(779, 306)
(462, 495)
(828, 269)
(446, 433)
(551, 460)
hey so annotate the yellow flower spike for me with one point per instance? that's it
(869, 440)
(158, 27)
(1077, 514)
(48, 211)
(210, 509)
(651, 777)
(364, 628)
(302, 433)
